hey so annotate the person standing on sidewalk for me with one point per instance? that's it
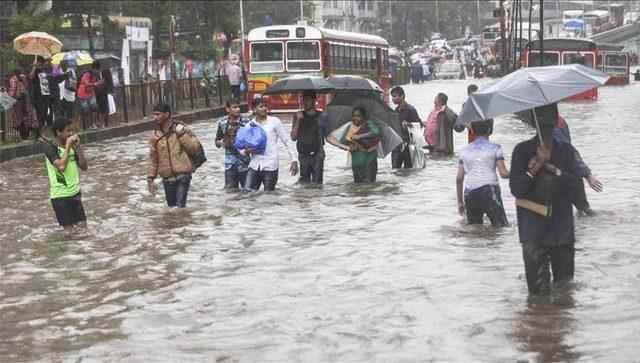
(400, 156)
(544, 181)
(234, 74)
(263, 169)
(170, 146)
(309, 130)
(235, 165)
(68, 89)
(87, 95)
(64, 159)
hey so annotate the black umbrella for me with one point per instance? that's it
(340, 108)
(300, 84)
(354, 83)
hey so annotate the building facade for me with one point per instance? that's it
(355, 16)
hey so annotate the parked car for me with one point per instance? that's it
(450, 70)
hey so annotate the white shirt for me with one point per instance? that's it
(65, 94)
(234, 73)
(275, 131)
(479, 160)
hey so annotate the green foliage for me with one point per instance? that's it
(22, 23)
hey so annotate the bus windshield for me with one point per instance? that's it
(267, 57)
(584, 59)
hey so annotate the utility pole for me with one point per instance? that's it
(541, 35)
(390, 21)
(174, 75)
(478, 16)
(504, 61)
(301, 11)
(241, 27)
(437, 17)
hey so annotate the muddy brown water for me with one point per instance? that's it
(344, 273)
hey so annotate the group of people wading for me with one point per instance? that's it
(545, 171)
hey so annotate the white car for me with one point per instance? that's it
(450, 70)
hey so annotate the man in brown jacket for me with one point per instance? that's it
(170, 146)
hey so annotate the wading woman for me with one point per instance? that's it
(361, 139)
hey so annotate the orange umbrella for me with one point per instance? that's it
(37, 43)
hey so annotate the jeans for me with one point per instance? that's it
(234, 179)
(267, 178)
(538, 259)
(311, 167)
(401, 156)
(66, 109)
(176, 190)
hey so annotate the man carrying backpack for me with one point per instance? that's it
(310, 127)
(173, 148)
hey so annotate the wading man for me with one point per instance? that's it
(64, 160)
(309, 131)
(400, 156)
(544, 182)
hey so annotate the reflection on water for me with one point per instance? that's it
(381, 272)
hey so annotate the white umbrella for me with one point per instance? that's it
(37, 43)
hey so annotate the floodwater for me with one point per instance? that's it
(368, 273)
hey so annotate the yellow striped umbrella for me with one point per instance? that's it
(73, 58)
(37, 43)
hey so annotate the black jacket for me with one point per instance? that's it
(545, 188)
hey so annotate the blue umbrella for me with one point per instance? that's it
(574, 24)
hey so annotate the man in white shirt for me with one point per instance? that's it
(263, 169)
(68, 89)
(234, 73)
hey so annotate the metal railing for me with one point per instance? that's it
(136, 101)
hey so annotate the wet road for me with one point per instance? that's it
(379, 273)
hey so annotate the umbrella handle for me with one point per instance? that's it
(535, 120)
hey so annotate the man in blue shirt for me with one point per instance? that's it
(235, 164)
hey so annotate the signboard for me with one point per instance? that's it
(137, 34)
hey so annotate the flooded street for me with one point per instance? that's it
(344, 273)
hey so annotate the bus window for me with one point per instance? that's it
(577, 58)
(385, 60)
(350, 55)
(616, 60)
(266, 57)
(303, 56)
(550, 59)
(372, 59)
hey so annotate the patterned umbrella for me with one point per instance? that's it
(37, 43)
(73, 58)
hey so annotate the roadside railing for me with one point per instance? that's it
(135, 102)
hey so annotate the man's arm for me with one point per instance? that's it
(520, 179)
(152, 171)
(82, 159)
(295, 126)
(459, 187)
(282, 135)
(219, 136)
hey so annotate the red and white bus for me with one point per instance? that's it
(565, 51)
(613, 61)
(277, 51)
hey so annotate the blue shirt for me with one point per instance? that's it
(479, 162)
(232, 157)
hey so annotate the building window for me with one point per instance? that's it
(361, 5)
(335, 4)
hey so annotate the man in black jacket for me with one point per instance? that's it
(309, 130)
(544, 181)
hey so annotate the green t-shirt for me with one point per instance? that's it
(65, 183)
(361, 159)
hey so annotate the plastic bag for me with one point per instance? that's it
(252, 137)
(243, 87)
(112, 104)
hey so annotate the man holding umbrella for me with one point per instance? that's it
(544, 181)
(309, 130)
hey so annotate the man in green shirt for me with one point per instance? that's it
(64, 160)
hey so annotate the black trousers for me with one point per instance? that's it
(176, 190)
(485, 200)
(539, 259)
(311, 167)
(401, 156)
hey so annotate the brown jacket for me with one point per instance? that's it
(169, 152)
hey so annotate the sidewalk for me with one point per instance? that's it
(30, 148)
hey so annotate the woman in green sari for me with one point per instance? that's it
(361, 139)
